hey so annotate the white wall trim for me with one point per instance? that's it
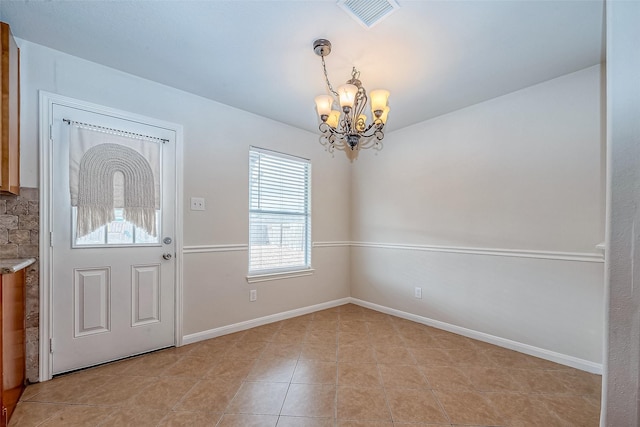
(237, 327)
(198, 249)
(267, 277)
(232, 247)
(46, 271)
(574, 362)
(553, 356)
(518, 253)
(179, 235)
(45, 123)
(335, 244)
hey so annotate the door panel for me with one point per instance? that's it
(145, 294)
(113, 293)
(91, 301)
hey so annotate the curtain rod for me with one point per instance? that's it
(116, 131)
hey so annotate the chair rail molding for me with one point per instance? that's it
(517, 253)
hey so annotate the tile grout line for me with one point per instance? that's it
(576, 387)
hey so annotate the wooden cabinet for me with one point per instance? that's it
(12, 340)
(9, 112)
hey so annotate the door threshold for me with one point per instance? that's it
(86, 368)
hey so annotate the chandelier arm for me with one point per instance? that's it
(370, 131)
(374, 141)
(376, 126)
(331, 138)
(358, 108)
(326, 77)
(324, 127)
(340, 139)
(362, 101)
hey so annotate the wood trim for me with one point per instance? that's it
(9, 112)
(13, 360)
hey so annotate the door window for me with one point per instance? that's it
(117, 233)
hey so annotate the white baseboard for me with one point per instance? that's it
(237, 327)
(563, 359)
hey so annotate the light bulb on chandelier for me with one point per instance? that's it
(349, 127)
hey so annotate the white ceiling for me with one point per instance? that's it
(434, 56)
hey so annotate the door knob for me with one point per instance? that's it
(166, 256)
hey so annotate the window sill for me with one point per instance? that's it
(256, 278)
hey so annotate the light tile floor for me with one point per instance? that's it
(346, 366)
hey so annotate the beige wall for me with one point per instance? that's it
(520, 173)
(479, 208)
(216, 143)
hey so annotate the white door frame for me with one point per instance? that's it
(47, 101)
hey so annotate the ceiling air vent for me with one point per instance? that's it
(368, 12)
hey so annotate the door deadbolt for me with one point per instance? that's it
(167, 240)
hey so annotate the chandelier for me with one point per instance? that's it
(350, 127)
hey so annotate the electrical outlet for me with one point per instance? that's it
(417, 293)
(253, 295)
(197, 204)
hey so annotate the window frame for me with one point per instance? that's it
(298, 270)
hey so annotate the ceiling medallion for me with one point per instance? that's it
(349, 127)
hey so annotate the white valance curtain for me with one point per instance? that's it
(108, 171)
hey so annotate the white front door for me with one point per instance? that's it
(113, 290)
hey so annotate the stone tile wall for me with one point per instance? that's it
(19, 238)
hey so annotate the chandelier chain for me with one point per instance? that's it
(326, 77)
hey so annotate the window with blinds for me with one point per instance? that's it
(279, 212)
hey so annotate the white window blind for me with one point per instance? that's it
(279, 212)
